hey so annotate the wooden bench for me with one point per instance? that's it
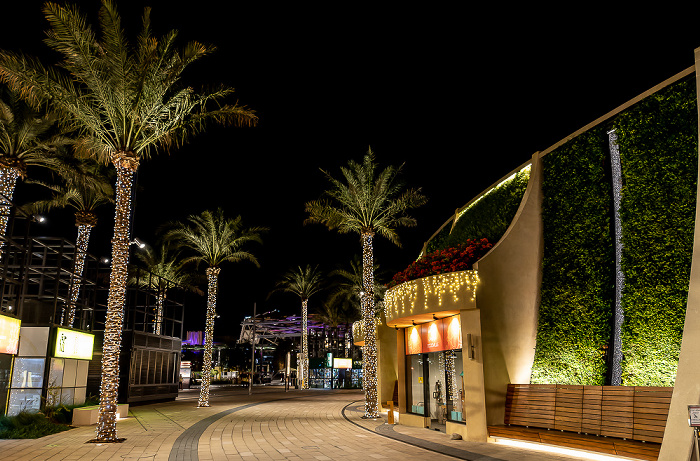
(87, 416)
(627, 413)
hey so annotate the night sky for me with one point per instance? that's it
(461, 97)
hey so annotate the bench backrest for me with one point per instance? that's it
(630, 412)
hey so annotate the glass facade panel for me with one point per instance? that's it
(454, 382)
(414, 384)
(28, 373)
(434, 385)
(24, 400)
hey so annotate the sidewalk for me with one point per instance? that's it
(269, 425)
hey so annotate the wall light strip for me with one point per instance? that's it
(558, 450)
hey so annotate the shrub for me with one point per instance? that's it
(457, 258)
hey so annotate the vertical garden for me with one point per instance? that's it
(657, 140)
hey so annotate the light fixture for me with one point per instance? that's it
(138, 243)
(39, 218)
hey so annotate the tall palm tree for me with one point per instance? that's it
(85, 187)
(368, 203)
(166, 271)
(124, 101)
(214, 239)
(303, 282)
(26, 139)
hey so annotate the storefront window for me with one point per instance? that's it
(454, 382)
(416, 398)
(434, 373)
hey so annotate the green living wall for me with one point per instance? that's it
(488, 218)
(657, 139)
(578, 264)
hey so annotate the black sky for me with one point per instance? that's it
(461, 96)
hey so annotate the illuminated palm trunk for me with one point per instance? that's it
(304, 384)
(81, 246)
(8, 181)
(160, 300)
(126, 166)
(369, 351)
(212, 286)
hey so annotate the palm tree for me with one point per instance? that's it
(214, 239)
(166, 271)
(347, 289)
(124, 101)
(347, 295)
(367, 203)
(303, 282)
(26, 139)
(85, 187)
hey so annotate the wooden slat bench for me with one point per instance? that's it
(631, 414)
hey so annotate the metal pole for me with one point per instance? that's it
(287, 372)
(252, 355)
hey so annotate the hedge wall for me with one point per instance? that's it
(658, 148)
(487, 218)
(578, 264)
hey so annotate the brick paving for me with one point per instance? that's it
(318, 425)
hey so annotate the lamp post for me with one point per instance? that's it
(252, 355)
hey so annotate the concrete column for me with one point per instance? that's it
(474, 391)
(678, 437)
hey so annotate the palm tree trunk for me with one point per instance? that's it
(304, 344)
(369, 351)
(8, 181)
(212, 286)
(81, 246)
(158, 325)
(107, 424)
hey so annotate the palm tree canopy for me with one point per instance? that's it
(85, 186)
(168, 268)
(121, 101)
(215, 239)
(346, 289)
(303, 282)
(27, 136)
(366, 201)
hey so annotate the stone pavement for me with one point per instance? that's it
(269, 425)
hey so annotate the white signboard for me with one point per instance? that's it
(694, 415)
(74, 344)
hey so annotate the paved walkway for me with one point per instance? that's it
(269, 425)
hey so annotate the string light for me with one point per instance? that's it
(400, 300)
(212, 287)
(369, 351)
(81, 245)
(157, 326)
(126, 165)
(304, 382)
(8, 181)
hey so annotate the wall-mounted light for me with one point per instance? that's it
(39, 218)
(470, 347)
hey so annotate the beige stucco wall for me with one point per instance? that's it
(678, 436)
(388, 372)
(508, 298)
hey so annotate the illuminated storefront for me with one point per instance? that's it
(434, 371)
(9, 343)
(66, 353)
(334, 373)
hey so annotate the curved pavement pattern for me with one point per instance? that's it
(269, 425)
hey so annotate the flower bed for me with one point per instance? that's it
(454, 259)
